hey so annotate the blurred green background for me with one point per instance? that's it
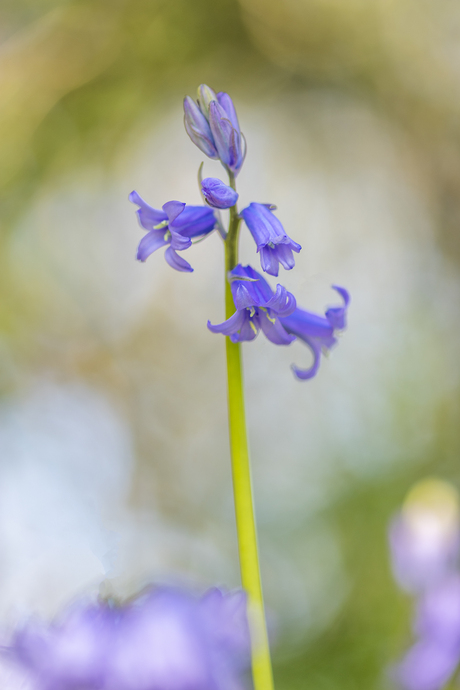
(114, 457)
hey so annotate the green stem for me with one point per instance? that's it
(241, 472)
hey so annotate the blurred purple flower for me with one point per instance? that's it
(428, 665)
(73, 652)
(257, 307)
(175, 225)
(422, 550)
(274, 245)
(318, 332)
(433, 659)
(213, 126)
(217, 193)
(424, 543)
(164, 640)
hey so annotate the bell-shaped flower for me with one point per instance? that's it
(166, 639)
(212, 124)
(257, 308)
(274, 245)
(217, 193)
(174, 225)
(318, 332)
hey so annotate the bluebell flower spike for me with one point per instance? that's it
(175, 225)
(273, 243)
(317, 332)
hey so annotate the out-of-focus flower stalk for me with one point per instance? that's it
(241, 473)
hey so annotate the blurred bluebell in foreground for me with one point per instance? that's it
(425, 549)
(166, 639)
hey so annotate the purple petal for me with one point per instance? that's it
(221, 129)
(274, 331)
(231, 325)
(178, 241)
(248, 331)
(337, 315)
(147, 215)
(285, 256)
(306, 324)
(152, 241)
(173, 209)
(197, 127)
(227, 104)
(176, 261)
(256, 292)
(283, 302)
(195, 221)
(269, 260)
(305, 374)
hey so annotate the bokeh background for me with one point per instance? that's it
(114, 458)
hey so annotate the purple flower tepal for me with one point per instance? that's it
(257, 308)
(164, 640)
(274, 245)
(174, 225)
(198, 129)
(317, 332)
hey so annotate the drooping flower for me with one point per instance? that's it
(257, 308)
(166, 639)
(217, 193)
(274, 245)
(212, 124)
(318, 332)
(175, 225)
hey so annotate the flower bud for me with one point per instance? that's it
(198, 129)
(218, 194)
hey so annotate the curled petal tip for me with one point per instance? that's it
(343, 293)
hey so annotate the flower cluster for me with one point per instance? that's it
(425, 549)
(166, 639)
(212, 124)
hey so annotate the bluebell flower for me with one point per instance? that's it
(274, 245)
(257, 307)
(175, 225)
(318, 332)
(166, 639)
(212, 124)
(217, 193)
